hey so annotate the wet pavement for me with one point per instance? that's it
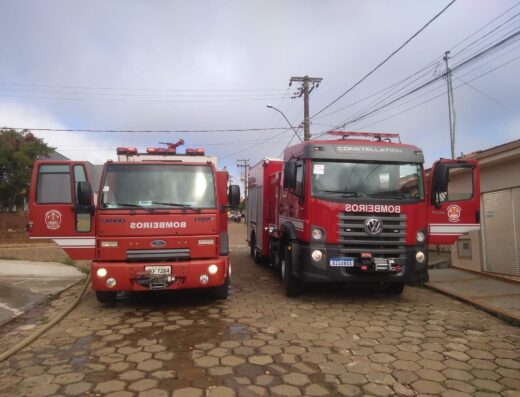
(24, 284)
(328, 342)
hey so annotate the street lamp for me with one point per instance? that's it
(286, 119)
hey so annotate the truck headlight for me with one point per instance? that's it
(420, 237)
(212, 269)
(420, 257)
(111, 282)
(317, 233)
(101, 272)
(316, 255)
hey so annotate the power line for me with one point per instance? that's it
(142, 100)
(489, 97)
(491, 49)
(144, 131)
(76, 87)
(260, 143)
(386, 59)
(441, 94)
(485, 26)
(140, 95)
(426, 69)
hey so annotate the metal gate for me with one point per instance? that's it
(501, 231)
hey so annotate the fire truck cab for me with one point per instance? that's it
(357, 209)
(159, 222)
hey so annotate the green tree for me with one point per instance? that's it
(18, 151)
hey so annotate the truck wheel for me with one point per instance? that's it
(106, 296)
(252, 244)
(221, 292)
(291, 283)
(257, 258)
(395, 289)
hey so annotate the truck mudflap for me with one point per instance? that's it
(365, 269)
(124, 276)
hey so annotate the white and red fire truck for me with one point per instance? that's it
(357, 209)
(160, 221)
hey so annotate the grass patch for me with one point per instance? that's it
(68, 262)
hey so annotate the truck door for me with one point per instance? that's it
(453, 200)
(61, 207)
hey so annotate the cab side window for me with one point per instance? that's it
(460, 187)
(53, 184)
(300, 173)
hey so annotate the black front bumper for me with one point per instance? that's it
(306, 269)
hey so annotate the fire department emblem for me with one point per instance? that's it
(454, 213)
(53, 219)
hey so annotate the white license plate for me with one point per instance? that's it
(342, 262)
(158, 270)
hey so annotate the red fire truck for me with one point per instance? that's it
(160, 221)
(357, 209)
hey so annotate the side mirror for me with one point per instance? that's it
(234, 195)
(289, 175)
(83, 194)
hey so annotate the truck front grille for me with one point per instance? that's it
(354, 240)
(158, 255)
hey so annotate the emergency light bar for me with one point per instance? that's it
(156, 150)
(195, 152)
(126, 150)
(377, 135)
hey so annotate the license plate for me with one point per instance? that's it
(158, 270)
(341, 262)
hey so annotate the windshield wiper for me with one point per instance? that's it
(142, 207)
(183, 206)
(394, 194)
(342, 192)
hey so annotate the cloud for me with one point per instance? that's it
(161, 46)
(73, 145)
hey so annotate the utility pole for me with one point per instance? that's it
(312, 82)
(244, 163)
(451, 104)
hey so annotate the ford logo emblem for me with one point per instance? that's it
(158, 243)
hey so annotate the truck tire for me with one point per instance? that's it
(106, 296)
(252, 244)
(395, 289)
(222, 291)
(291, 283)
(257, 258)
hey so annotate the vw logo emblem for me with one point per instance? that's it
(158, 243)
(373, 226)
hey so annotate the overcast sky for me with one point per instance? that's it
(204, 65)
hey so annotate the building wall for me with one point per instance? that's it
(475, 262)
(493, 176)
(500, 176)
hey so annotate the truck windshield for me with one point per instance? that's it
(397, 181)
(151, 186)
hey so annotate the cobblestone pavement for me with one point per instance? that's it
(329, 342)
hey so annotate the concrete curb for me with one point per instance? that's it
(504, 315)
(43, 299)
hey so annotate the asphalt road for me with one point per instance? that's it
(328, 342)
